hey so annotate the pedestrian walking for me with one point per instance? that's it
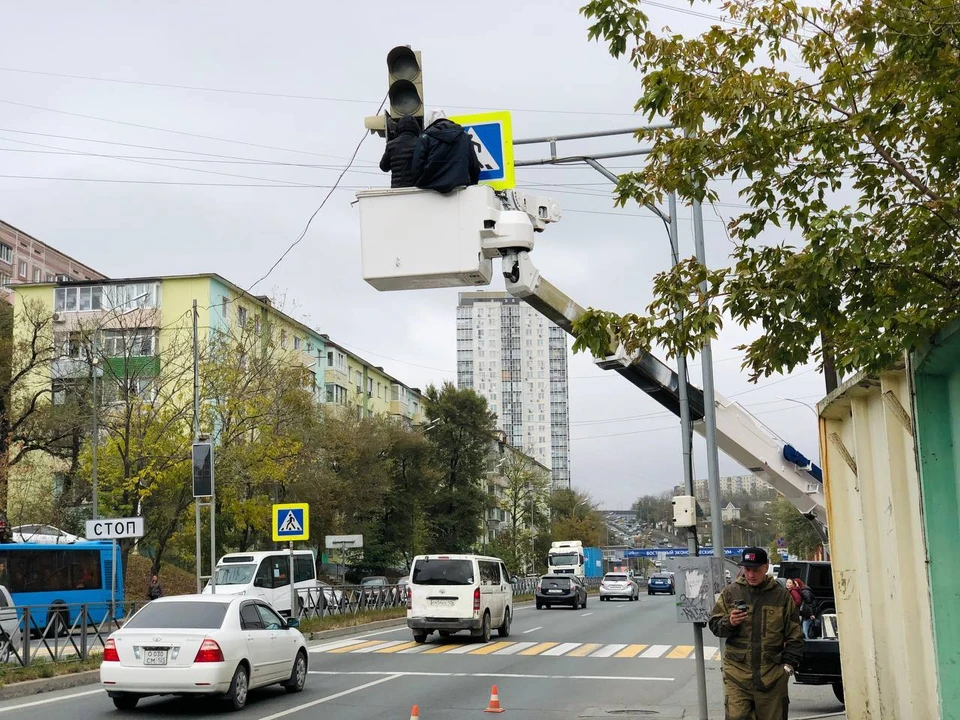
(808, 607)
(154, 590)
(794, 593)
(759, 619)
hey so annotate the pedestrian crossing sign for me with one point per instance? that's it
(291, 522)
(492, 136)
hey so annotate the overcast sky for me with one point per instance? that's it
(243, 170)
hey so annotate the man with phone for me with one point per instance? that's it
(759, 619)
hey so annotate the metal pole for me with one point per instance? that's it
(709, 402)
(686, 443)
(113, 584)
(596, 134)
(96, 436)
(293, 588)
(196, 434)
(213, 528)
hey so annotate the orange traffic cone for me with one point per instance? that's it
(415, 713)
(494, 705)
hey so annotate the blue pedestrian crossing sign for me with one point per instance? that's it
(291, 522)
(492, 135)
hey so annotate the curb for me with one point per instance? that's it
(43, 685)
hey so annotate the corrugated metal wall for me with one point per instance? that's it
(878, 550)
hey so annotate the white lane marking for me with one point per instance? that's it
(586, 614)
(655, 651)
(381, 646)
(561, 649)
(608, 650)
(532, 630)
(515, 648)
(463, 649)
(356, 638)
(479, 675)
(709, 651)
(334, 645)
(328, 698)
(50, 700)
(417, 649)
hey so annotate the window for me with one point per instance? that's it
(63, 390)
(6, 253)
(309, 347)
(336, 394)
(271, 621)
(489, 573)
(51, 571)
(242, 315)
(67, 344)
(223, 308)
(184, 615)
(5, 279)
(129, 343)
(49, 277)
(370, 387)
(303, 568)
(283, 338)
(296, 342)
(256, 325)
(249, 617)
(37, 274)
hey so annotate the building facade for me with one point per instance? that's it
(498, 518)
(25, 259)
(354, 385)
(517, 359)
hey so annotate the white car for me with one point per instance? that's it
(44, 535)
(202, 645)
(619, 585)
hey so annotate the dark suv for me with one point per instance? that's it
(561, 590)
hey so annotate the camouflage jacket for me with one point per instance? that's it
(770, 637)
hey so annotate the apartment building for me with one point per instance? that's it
(517, 359)
(355, 385)
(25, 259)
(500, 453)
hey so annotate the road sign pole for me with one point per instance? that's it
(113, 584)
(293, 588)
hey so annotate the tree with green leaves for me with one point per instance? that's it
(523, 494)
(836, 120)
(801, 537)
(574, 516)
(459, 426)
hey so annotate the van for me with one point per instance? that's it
(449, 593)
(266, 575)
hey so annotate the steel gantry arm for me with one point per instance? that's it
(739, 434)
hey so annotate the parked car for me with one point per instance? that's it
(374, 589)
(449, 593)
(561, 590)
(203, 644)
(619, 585)
(44, 535)
(661, 582)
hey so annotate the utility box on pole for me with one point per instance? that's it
(699, 581)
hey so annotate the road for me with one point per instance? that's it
(558, 664)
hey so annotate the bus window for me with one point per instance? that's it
(303, 566)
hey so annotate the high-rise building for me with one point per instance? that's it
(517, 359)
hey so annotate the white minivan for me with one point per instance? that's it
(266, 575)
(449, 593)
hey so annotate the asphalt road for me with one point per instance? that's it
(557, 664)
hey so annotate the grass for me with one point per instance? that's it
(43, 668)
(335, 622)
(174, 580)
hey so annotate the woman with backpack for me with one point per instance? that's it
(808, 606)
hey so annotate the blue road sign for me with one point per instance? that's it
(291, 521)
(677, 552)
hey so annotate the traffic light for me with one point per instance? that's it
(405, 89)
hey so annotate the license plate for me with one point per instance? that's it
(154, 657)
(441, 603)
(555, 591)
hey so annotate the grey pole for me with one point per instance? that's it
(96, 436)
(686, 443)
(196, 433)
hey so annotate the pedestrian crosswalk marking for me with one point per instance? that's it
(584, 650)
(655, 651)
(492, 648)
(538, 648)
(464, 646)
(291, 524)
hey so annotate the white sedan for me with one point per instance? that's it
(44, 535)
(202, 644)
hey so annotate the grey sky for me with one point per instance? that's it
(531, 58)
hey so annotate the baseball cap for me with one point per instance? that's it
(754, 557)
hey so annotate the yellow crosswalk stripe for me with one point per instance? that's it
(680, 652)
(539, 648)
(490, 647)
(631, 651)
(584, 650)
(440, 649)
(357, 646)
(397, 648)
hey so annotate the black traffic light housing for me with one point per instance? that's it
(405, 89)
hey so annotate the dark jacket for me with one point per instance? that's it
(398, 153)
(154, 591)
(770, 637)
(445, 158)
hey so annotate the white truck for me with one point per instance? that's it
(565, 557)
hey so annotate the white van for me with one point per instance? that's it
(267, 575)
(448, 593)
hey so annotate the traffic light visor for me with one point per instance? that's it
(402, 63)
(405, 98)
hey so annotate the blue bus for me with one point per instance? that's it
(55, 581)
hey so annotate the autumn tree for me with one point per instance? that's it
(523, 494)
(574, 517)
(802, 538)
(459, 426)
(836, 120)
